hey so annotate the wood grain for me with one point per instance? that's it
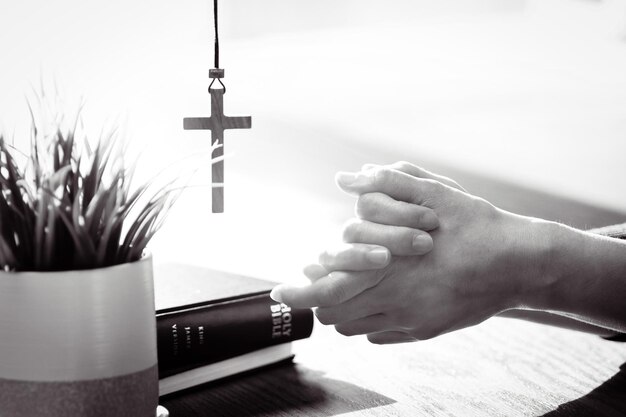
(500, 368)
(217, 123)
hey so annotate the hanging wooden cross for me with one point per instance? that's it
(217, 123)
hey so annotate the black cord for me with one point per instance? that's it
(216, 75)
(217, 40)
(219, 81)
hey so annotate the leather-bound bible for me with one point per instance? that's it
(212, 324)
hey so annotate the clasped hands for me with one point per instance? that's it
(422, 258)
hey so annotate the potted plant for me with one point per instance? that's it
(77, 322)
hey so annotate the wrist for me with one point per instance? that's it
(533, 275)
(580, 274)
(587, 274)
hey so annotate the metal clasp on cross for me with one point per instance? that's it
(217, 123)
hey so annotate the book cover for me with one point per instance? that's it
(232, 366)
(206, 316)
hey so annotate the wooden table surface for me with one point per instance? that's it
(502, 367)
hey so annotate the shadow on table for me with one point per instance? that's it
(282, 390)
(608, 400)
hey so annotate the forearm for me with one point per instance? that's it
(584, 277)
(557, 320)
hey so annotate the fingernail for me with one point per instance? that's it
(346, 178)
(431, 221)
(422, 243)
(276, 295)
(378, 256)
(365, 167)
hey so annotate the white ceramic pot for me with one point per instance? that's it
(79, 343)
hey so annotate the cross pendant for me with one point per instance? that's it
(217, 123)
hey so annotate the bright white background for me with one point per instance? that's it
(529, 91)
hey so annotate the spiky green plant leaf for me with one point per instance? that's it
(72, 205)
